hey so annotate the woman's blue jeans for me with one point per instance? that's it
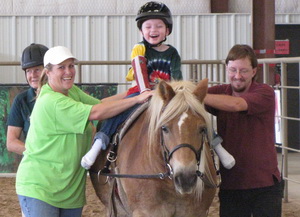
(32, 207)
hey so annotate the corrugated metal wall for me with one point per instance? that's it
(205, 36)
(112, 38)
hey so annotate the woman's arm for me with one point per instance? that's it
(108, 109)
(13, 142)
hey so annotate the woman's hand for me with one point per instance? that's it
(144, 97)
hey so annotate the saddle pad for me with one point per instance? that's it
(127, 123)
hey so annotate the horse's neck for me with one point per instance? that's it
(135, 144)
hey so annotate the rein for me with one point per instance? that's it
(140, 176)
(112, 157)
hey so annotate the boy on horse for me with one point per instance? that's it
(152, 61)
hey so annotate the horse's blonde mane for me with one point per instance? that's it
(159, 115)
(181, 102)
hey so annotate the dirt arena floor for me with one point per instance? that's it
(9, 206)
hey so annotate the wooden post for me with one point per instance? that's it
(263, 14)
(219, 6)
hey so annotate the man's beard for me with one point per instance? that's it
(238, 89)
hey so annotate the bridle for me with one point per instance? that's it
(167, 155)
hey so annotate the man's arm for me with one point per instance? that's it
(226, 103)
(13, 142)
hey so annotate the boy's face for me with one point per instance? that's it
(154, 31)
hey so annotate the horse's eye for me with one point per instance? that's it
(203, 130)
(165, 129)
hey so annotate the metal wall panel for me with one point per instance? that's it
(281, 6)
(96, 7)
(205, 36)
(287, 19)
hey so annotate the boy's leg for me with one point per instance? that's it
(100, 142)
(102, 138)
(110, 125)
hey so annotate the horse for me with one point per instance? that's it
(165, 164)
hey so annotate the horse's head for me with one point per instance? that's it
(180, 121)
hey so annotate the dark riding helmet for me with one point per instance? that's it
(33, 55)
(154, 10)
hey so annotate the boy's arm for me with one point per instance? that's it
(138, 50)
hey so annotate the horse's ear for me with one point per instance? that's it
(165, 91)
(201, 89)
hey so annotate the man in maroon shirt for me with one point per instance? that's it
(245, 113)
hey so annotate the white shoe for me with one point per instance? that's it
(86, 163)
(89, 158)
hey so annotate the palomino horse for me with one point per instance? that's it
(171, 135)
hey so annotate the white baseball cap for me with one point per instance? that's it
(56, 55)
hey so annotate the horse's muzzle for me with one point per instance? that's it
(185, 183)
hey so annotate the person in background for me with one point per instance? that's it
(19, 117)
(50, 181)
(245, 120)
(152, 61)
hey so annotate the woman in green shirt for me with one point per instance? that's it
(50, 181)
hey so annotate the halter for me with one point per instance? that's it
(168, 154)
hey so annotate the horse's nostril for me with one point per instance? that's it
(177, 180)
(186, 181)
(192, 180)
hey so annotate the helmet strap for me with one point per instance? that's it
(26, 76)
(147, 44)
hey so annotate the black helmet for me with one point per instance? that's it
(154, 10)
(33, 55)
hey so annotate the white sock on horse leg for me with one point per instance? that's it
(89, 158)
